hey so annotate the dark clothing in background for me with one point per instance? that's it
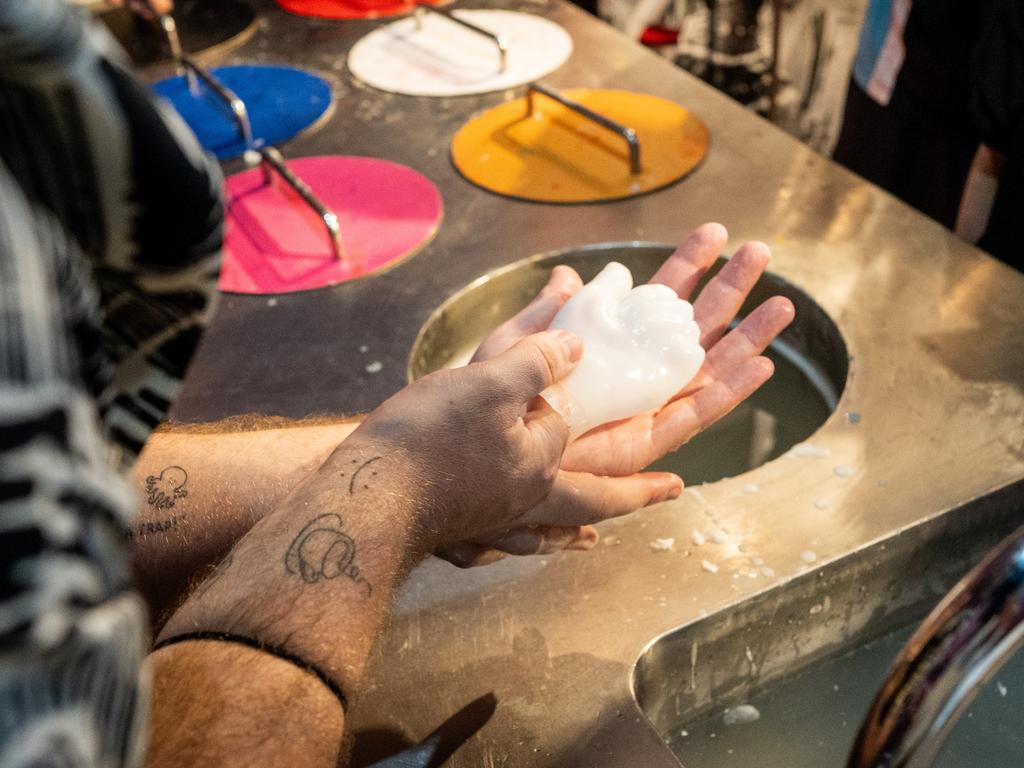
(997, 109)
(961, 83)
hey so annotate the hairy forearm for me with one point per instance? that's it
(312, 580)
(203, 487)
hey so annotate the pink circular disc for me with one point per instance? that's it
(276, 243)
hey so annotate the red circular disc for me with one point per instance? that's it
(276, 243)
(354, 9)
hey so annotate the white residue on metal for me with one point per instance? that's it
(808, 556)
(708, 566)
(684, 734)
(741, 715)
(698, 538)
(767, 571)
(822, 504)
(662, 545)
(1001, 688)
(271, 302)
(808, 451)
(843, 470)
(750, 488)
(375, 367)
(364, 349)
(698, 496)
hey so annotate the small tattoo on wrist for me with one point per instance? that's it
(322, 550)
(165, 489)
(364, 465)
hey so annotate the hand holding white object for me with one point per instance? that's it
(640, 347)
(733, 368)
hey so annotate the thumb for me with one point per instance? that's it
(536, 362)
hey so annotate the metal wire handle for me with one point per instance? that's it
(272, 161)
(229, 97)
(627, 133)
(170, 28)
(498, 40)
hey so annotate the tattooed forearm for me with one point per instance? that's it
(322, 550)
(155, 526)
(163, 491)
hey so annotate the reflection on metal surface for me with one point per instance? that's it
(960, 646)
(810, 357)
(555, 153)
(750, 653)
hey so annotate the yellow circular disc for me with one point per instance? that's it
(556, 155)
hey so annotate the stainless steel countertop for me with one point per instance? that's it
(934, 329)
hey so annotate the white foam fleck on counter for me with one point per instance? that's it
(698, 538)
(375, 367)
(708, 566)
(719, 537)
(364, 349)
(697, 495)
(750, 488)
(741, 715)
(808, 451)
(757, 562)
(1002, 689)
(767, 571)
(271, 302)
(808, 556)
(822, 504)
(662, 545)
(843, 470)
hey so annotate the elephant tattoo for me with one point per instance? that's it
(164, 490)
(323, 551)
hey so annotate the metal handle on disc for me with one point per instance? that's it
(498, 40)
(170, 28)
(627, 133)
(229, 97)
(273, 161)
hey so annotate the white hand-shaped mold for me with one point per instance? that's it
(640, 347)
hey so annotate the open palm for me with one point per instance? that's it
(733, 366)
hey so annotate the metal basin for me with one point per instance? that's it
(810, 655)
(810, 357)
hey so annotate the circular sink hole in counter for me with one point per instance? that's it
(810, 357)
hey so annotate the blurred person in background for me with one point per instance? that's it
(935, 114)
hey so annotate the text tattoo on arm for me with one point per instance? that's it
(322, 550)
(165, 489)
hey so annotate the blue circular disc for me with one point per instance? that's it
(281, 102)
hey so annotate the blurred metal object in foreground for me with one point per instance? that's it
(959, 647)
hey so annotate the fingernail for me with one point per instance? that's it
(573, 344)
(667, 488)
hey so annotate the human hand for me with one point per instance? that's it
(485, 451)
(733, 367)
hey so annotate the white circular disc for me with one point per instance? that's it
(443, 58)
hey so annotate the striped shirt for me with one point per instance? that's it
(110, 235)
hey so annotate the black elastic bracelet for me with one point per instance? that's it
(227, 637)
